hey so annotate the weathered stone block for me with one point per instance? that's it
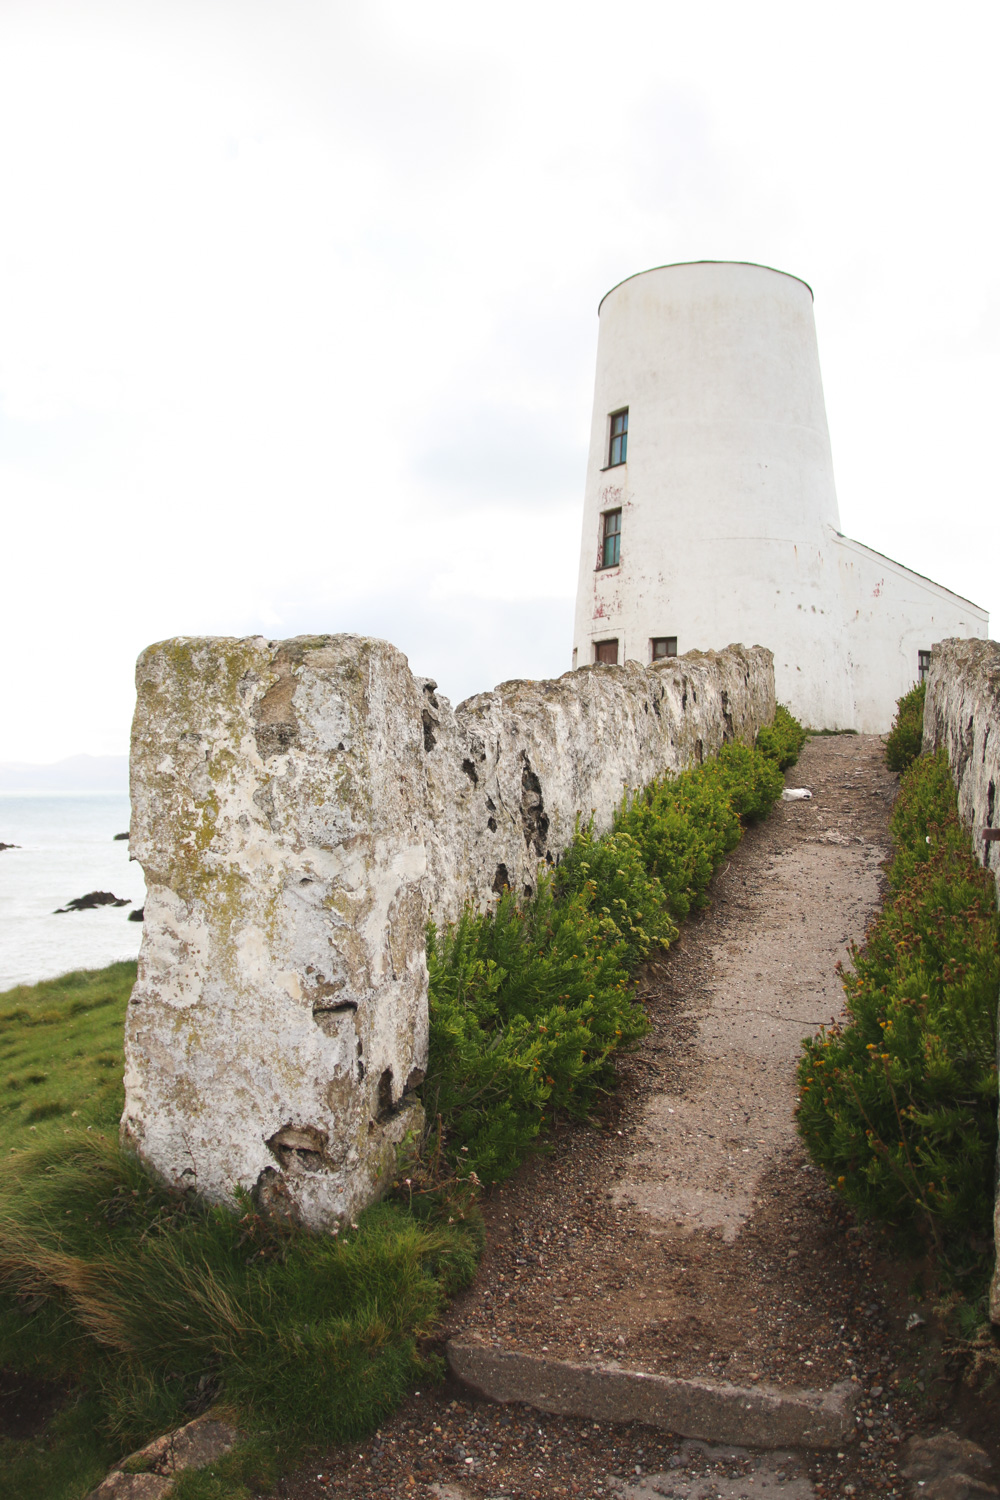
(300, 808)
(605, 1392)
(279, 1021)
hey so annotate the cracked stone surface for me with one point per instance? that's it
(193, 1446)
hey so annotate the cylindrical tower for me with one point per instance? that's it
(710, 509)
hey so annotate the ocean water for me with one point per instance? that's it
(67, 848)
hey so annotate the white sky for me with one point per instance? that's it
(298, 305)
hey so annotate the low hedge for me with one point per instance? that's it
(898, 1105)
(529, 1000)
(905, 739)
(783, 739)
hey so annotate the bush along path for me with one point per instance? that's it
(147, 1308)
(898, 1103)
(688, 1234)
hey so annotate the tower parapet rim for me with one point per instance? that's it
(676, 264)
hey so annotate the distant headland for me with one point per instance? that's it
(77, 773)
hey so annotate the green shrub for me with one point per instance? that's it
(751, 779)
(924, 820)
(684, 828)
(905, 738)
(781, 740)
(527, 1004)
(899, 1104)
(612, 873)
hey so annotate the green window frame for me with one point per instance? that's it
(618, 445)
(611, 539)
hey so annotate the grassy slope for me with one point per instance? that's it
(60, 1072)
(61, 1054)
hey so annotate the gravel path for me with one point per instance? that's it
(684, 1233)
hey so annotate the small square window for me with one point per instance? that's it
(663, 646)
(923, 665)
(619, 438)
(606, 652)
(611, 539)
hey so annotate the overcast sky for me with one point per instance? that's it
(298, 305)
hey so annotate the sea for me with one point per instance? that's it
(66, 847)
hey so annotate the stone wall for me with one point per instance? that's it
(300, 808)
(962, 713)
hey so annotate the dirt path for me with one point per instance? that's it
(647, 1243)
(688, 1235)
(754, 980)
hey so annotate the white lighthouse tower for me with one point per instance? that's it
(710, 513)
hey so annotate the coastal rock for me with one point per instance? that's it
(948, 1467)
(92, 899)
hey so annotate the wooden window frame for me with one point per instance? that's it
(620, 437)
(612, 641)
(612, 535)
(923, 665)
(668, 641)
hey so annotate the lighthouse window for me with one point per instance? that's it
(619, 437)
(606, 652)
(923, 665)
(611, 538)
(664, 646)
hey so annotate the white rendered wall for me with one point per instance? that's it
(730, 528)
(890, 615)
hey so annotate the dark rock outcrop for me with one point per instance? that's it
(92, 899)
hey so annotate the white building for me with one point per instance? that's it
(711, 515)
